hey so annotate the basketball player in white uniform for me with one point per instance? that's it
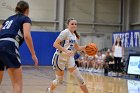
(66, 44)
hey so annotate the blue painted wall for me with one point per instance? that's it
(43, 44)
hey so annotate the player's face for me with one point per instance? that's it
(72, 25)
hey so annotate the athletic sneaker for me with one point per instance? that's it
(49, 90)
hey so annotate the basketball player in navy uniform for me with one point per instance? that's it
(13, 32)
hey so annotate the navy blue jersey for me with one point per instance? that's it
(13, 27)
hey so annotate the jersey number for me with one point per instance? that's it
(7, 24)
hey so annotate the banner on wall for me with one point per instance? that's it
(130, 39)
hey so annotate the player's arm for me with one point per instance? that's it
(29, 42)
(79, 48)
(60, 38)
(58, 46)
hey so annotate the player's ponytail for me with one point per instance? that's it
(21, 7)
(77, 35)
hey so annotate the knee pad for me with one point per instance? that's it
(58, 80)
(76, 73)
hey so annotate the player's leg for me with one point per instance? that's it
(16, 78)
(1, 76)
(58, 80)
(58, 67)
(1, 68)
(1, 71)
(76, 73)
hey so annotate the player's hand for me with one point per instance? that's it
(35, 60)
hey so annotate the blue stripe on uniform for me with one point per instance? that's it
(55, 61)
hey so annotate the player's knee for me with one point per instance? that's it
(58, 81)
(79, 77)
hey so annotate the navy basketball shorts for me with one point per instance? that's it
(9, 55)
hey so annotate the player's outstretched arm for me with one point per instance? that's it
(29, 42)
(79, 48)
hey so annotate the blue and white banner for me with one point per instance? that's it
(129, 39)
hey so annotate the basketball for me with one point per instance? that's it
(91, 49)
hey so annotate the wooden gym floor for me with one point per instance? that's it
(38, 80)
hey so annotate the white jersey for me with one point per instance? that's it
(60, 59)
(68, 40)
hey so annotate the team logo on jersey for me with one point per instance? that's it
(72, 41)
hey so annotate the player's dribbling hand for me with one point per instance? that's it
(35, 60)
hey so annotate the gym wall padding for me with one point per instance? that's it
(43, 44)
